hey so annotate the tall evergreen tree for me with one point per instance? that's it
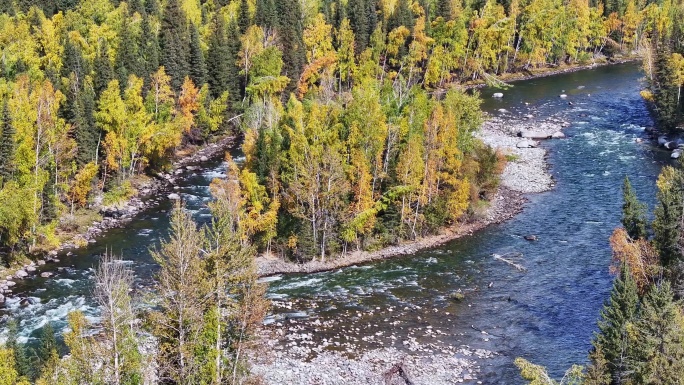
(402, 16)
(104, 73)
(173, 43)
(198, 70)
(617, 316)
(47, 347)
(668, 216)
(21, 359)
(659, 347)
(290, 32)
(443, 9)
(235, 87)
(73, 61)
(150, 47)
(243, 18)
(7, 145)
(127, 58)
(358, 20)
(633, 212)
(218, 58)
(265, 15)
(86, 133)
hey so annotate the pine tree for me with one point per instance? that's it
(290, 32)
(73, 61)
(265, 15)
(235, 87)
(22, 362)
(358, 19)
(617, 317)
(47, 347)
(173, 43)
(443, 9)
(198, 70)
(402, 16)
(183, 293)
(150, 48)
(7, 145)
(659, 347)
(243, 19)
(633, 212)
(104, 73)
(127, 58)
(668, 216)
(152, 8)
(218, 58)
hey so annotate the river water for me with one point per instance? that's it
(546, 314)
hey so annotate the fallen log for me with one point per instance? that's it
(508, 261)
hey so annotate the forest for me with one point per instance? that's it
(97, 95)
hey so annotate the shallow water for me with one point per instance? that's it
(546, 314)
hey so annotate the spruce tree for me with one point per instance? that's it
(86, 133)
(150, 48)
(265, 15)
(73, 61)
(668, 215)
(358, 20)
(173, 43)
(633, 212)
(218, 58)
(235, 87)
(127, 58)
(659, 347)
(198, 70)
(7, 145)
(290, 32)
(243, 19)
(103, 69)
(617, 316)
(21, 359)
(443, 9)
(47, 346)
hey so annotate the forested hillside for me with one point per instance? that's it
(350, 139)
(664, 67)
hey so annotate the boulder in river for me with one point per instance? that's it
(670, 145)
(662, 140)
(203, 158)
(174, 196)
(2, 299)
(46, 274)
(26, 302)
(537, 135)
(497, 95)
(30, 268)
(676, 154)
(21, 274)
(563, 96)
(530, 237)
(526, 144)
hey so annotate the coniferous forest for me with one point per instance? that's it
(358, 132)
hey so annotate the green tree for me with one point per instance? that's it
(7, 145)
(633, 212)
(173, 43)
(659, 347)
(104, 73)
(219, 62)
(198, 69)
(290, 33)
(668, 215)
(618, 319)
(21, 359)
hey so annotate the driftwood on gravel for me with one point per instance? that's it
(397, 375)
(507, 258)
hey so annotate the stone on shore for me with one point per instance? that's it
(558, 135)
(21, 274)
(536, 135)
(30, 268)
(174, 196)
(526, 144)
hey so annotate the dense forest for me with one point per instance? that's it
(664, 68)
(354, 135)
(640, 337)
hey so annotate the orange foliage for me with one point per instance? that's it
(639, 255)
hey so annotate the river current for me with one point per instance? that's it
(546, 314)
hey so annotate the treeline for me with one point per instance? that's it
(640, 338)
(197, 329)
(664, 67)
(97, 92)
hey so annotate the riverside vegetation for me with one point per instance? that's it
(354, 137)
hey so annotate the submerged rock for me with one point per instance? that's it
(530, 237)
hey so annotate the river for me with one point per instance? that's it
(546, 314)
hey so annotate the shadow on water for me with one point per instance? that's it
(546, 314)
